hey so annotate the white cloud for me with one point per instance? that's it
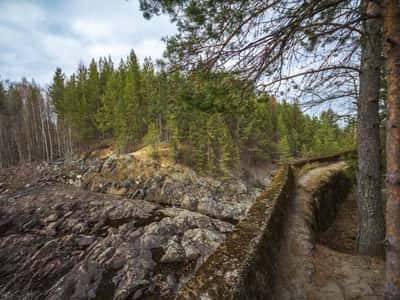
(117, 50)
(152, 48)
(22, 13)
(38, 35)
(91, 30)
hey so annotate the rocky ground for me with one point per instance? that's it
(118, 227)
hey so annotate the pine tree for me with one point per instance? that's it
(132, 129)
(211, 121)
(57, 92)
(152, 138)
(106, 116)
(92, 95)
(173, 138)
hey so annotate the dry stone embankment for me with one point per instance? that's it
(270, 253)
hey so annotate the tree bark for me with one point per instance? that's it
(49, 132)
(60, 152)
(370, 208)
(44, 136)
(392, 54)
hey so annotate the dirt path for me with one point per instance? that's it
(311, 270)
(339, 272)
(344, 276)
(295, 264)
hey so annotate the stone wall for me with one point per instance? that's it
(329, 187)
(243, 267)
(323, 159)
(233, 271)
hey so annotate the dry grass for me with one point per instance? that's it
(146, 154)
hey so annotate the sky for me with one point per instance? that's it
(37, 36)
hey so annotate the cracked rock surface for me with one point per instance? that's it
(167, 184)
(58, 241)
(113, 227)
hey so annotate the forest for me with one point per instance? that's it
(211, 121)
(216, 101)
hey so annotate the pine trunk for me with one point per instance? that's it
(370, 208)
(392, 53)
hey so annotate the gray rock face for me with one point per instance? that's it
(171, 185)
(57, 242)
(115, 228)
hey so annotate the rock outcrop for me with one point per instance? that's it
(58, 242)
(167, 184)
(114, 228)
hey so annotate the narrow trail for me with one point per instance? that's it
(309, 270)
(295, 266)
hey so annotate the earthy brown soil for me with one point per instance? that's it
(339, 272)
(342, 234)
(344, 276)
(325, 266)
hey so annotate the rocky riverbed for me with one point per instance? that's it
(119, 227)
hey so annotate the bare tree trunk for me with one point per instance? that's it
(58, 139)
(160, 134)
(44, 136)
(51, 147)
(18, 136)
(33, 124)
(392, 53)
(371, 219)
(70, 143)
(63, 132)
